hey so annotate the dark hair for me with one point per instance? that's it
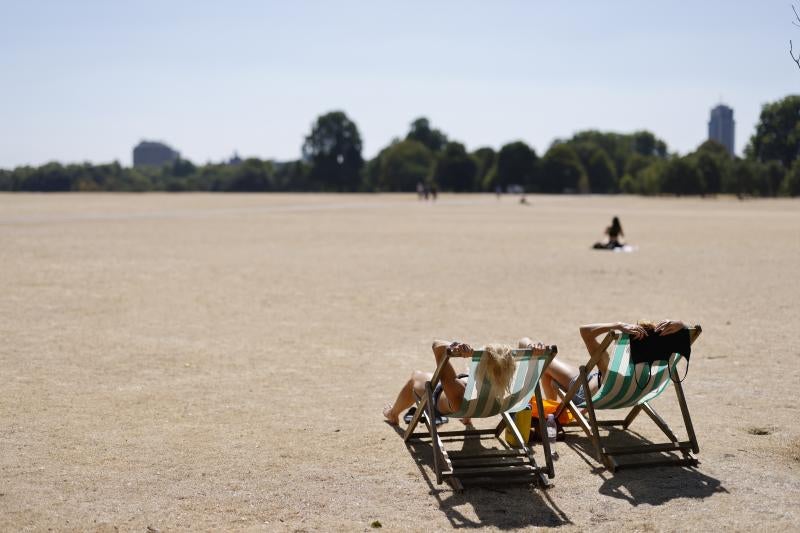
(615, 225)
(649, 327)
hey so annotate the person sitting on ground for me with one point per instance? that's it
(449, 392)
(562, 374)
(614, 235)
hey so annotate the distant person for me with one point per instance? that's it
(434, 191)
(498, 190)
(420, 190)
(614, 235)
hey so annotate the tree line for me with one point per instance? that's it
(588, 162)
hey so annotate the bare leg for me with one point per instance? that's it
(449, 401)
(557, 373)
(560, 373)
(405, 398)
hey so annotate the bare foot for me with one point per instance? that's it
(391, 417)
(466, 421)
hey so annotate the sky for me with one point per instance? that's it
(87, 80)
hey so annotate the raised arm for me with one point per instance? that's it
(453, 388)
(590, 332)
(457, 349)
(439, 348)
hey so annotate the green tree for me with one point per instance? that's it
(372, 170)
(422, 132)
(516, 165)
(744, 178)
(632, 182)
(777, 135)
(455, 169)
(175, 176)
(791, 182)
(600, 170)
(403, 165)
(291, 176)
(334, 149)
(133, 181)
(562, 170)
(650, 178)
(773, 177)
(50, 177)
(681, 176)
(620, 147)
(485, 158)
(617, 146)
(252, 175)
(713, 162)
(647, 144)
(711, 171)
(7, 180)
(183, 168)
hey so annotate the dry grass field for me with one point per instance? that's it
(219, 362)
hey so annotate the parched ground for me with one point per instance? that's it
(219, 362)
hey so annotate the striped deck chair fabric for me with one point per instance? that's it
(626, 385)
(482, 401)
(501, 464)
(632, 386)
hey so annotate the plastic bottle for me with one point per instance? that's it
(552, 433)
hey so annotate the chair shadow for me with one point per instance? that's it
(647, 485)
(503, 507)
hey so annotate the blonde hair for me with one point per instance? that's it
(499, 365)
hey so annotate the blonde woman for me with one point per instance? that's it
(449, 392)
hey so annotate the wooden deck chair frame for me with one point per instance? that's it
(505, 465)
(608, 455)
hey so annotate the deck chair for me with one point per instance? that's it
(487, 466)
(621, 389)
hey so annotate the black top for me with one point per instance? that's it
(656, 347)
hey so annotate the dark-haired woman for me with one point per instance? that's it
(563, 374)
(614, 235)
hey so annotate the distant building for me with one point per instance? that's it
(153, 154)
(721, 126)
(235, 160)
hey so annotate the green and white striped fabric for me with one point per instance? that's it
(480, 400)
(620, 389)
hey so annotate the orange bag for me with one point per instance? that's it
(550, 407)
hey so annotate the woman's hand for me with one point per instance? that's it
(537, 349)
(634, 330)
(459, 349)
(668, 327)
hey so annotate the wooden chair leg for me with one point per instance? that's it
(595, 436)
(631, 416)
(580, 420)
(421, 404)
(509, 422)
(660, 422)
(548, 453)
(687, 419)
(500, 427)
(434, 434)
